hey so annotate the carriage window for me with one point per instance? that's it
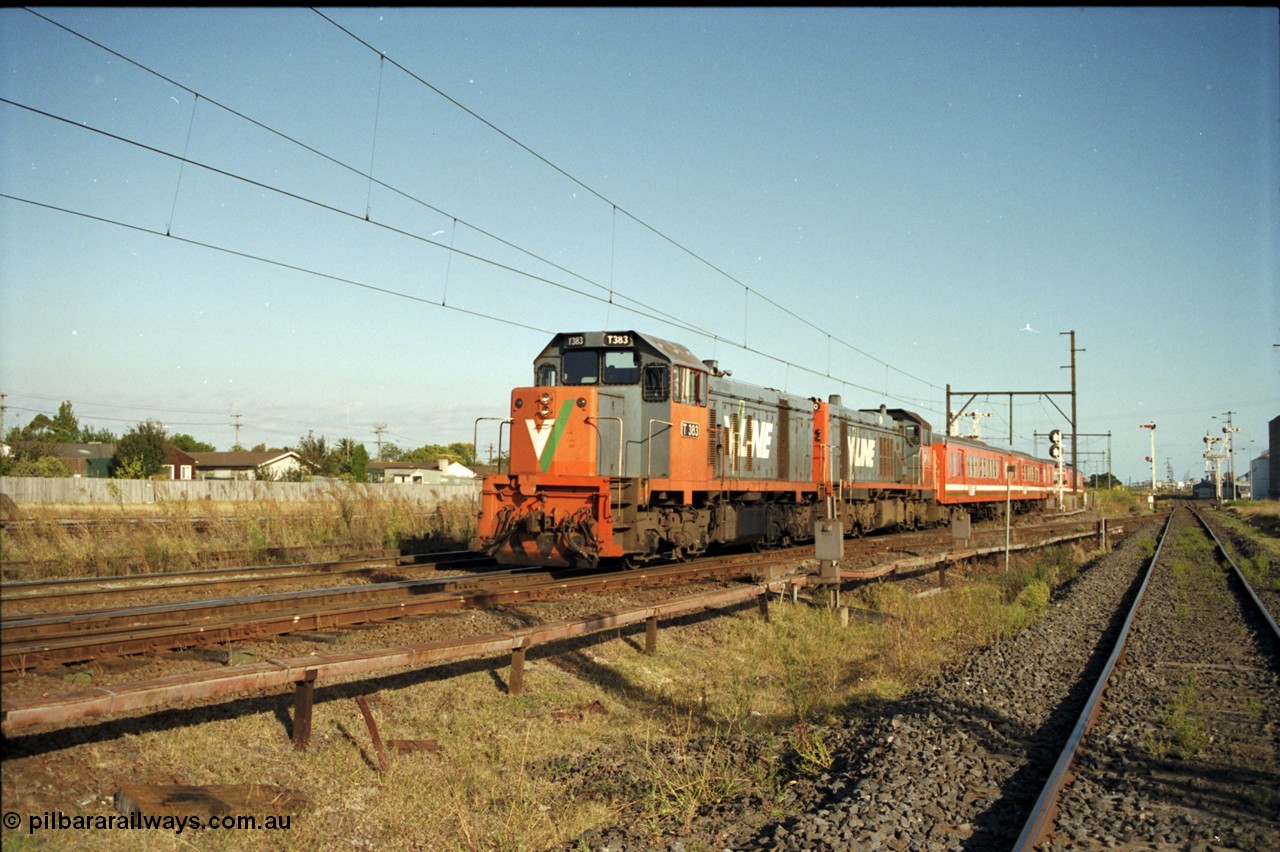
(655, 382)
(581, 367)
(620, 367)
(546, 376)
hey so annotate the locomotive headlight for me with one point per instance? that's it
(545, 400)
(582, 402)
(544, 413)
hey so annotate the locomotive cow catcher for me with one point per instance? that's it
(628, 447)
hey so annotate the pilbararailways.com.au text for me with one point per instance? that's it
(58, 821)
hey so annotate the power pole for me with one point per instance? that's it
(1074, 350)
(237, 417)
(378, 429)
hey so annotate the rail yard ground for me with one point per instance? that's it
(740, 732)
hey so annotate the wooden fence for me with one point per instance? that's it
(27, 490)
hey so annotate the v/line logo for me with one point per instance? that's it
(546, 436)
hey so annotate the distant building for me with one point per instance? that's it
(88, 460)
(178, 464)
(421, 473)
(1260, 476)
(272, 464)
(1207, 489)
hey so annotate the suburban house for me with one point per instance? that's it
(272, 464)
(178, 464)
(421, 473)
(88, 460)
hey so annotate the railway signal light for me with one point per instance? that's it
(1055, 444)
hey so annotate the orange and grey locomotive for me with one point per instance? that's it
(628, 447)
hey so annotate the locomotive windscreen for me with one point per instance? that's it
(584, 367)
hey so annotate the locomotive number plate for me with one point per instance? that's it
(612, 339)
(689, 430)
(575, 340)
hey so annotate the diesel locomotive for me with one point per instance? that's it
(628, 447)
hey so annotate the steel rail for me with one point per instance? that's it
(70, 647)
(19, 628)
(1259, 607)
(72, 587)
(1044, 812)
(276, 673)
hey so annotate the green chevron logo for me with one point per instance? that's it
(547, 436)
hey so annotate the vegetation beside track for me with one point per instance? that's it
(79, 541)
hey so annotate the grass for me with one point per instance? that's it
(1118, 502)
(1186, 728)
(182, 535)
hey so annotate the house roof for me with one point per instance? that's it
(84, 451)
(242, 459)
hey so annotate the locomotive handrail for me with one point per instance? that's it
(475, 438)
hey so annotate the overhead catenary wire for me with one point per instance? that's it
(610, 296)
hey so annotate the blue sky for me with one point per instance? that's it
(875, 203)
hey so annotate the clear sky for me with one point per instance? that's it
(321, 222)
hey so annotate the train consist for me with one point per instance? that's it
(628, 447)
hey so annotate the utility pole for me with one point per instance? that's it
(378, 429)
(1074, 350)
(236, 418)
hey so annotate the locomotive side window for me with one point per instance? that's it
(689, 386)
(581, 367)
(546, 375)
(656, 377)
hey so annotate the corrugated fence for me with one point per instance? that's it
(30, 490)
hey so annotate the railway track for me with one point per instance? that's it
(1184, 749)
(962, 761)
(33, 641)
(62, 634)
(43, 595)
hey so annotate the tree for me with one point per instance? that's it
(358, 468)
(90, 435)
(43, 466)
(140, 452)
(65, 428)
(1102, 480)
(29, 444)
(316, 455)
(462, 453)
(188, 444)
